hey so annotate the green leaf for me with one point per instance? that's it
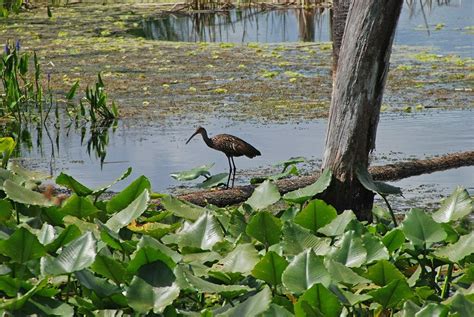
(337, 226)
(296, 239)
(409, 309)
(342, 274)
(240, 260)
(455, 207)
(377, 187)
(70, 233)
(383, 272)
(154, 229)
(421, 229)
(99, 285)
(354, 299)
(182, 208)
(79, 207)
(459, 250)
(143, 297)
(270, 268)
(264, 195)
(265, 227)
(304, 271)
(433, 310)
(214, 181)
(130, 213)
(291, 171)
(69, 182)
(150, 250)
(461, 305)
(252, 306)
(290, 161)
(22, 195)
(34, 176)
(320, 299)
(46, 234)
(301, 195)
(351, 251)
(316, 215)
(6, 210)
(276, 311)
(393, 240)
(18, 302)
(204, 286)
(129, 194)
(7, 145)
(375, 248)
(75, 256)
(53, 307)
(22, 246)
(392, 294)
(110, 268)
(194, 173)
(203, 233)
(72, 91)
(99, 191)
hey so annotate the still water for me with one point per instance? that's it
(445, 26)
(161, 150)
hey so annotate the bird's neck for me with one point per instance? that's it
(207, 140)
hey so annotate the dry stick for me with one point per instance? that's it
(390, 172)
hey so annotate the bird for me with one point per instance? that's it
(230, 145)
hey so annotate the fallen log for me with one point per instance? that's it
(389, 172)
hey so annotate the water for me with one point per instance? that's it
(156, 150)
(445, 27)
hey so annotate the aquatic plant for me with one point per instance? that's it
(25, 102)
(80, 254)
(98, 105)
(8, 6)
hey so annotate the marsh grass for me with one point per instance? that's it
(27, 102)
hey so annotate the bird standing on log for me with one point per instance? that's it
(230, 145)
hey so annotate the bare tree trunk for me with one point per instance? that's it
(340, 8)
(356, 98)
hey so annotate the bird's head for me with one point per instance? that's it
(200, 130)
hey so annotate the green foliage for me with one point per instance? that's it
(7, 145)
(301, 195)
(27, 99)
(90, 256)
(99, 109)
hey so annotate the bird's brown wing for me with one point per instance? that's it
(233, 146)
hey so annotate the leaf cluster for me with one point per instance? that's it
(85, 255)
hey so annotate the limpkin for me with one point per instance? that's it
(230, 145)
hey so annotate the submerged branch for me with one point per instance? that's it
(389, 172)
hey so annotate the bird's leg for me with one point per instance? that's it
(230, 172)
(233, 175)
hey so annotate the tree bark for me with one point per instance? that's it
(340, 8)
(388, 172)
(356, 98)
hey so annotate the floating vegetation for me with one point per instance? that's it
(83, 254)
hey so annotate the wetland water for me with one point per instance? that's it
(156, 150)
(440, 30)
(154, 144)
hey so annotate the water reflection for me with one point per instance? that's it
(242, 25)
(51, 139)
(440, 24)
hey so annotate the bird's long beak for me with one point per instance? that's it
(192, 136)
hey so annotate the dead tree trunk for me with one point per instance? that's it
(356, 98)
(340, 8)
